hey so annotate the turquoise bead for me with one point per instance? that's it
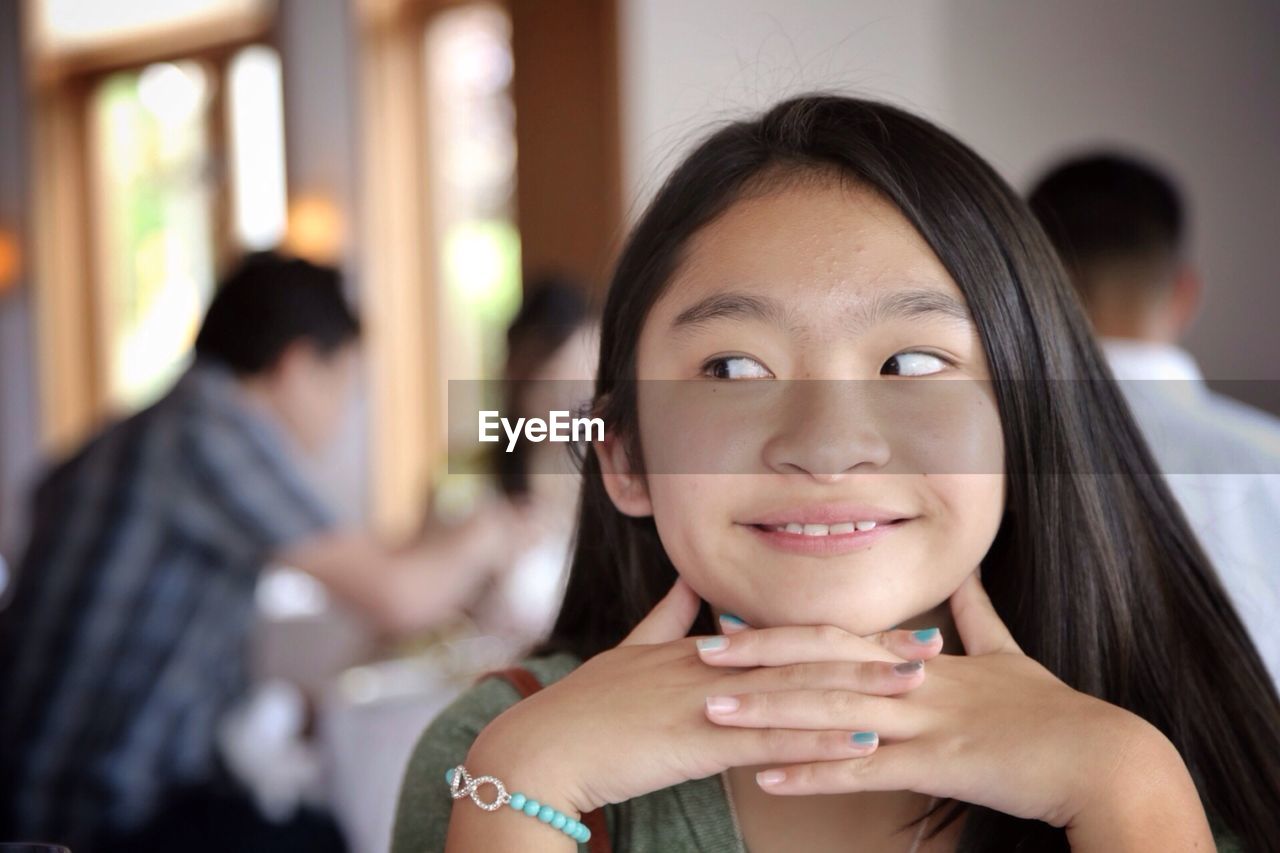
(584, 834)
(559, 821)
(546, 813)
(570, 826)
(448, 775)
(531, 807)
(517, 801)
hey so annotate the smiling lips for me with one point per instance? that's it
(825, 530)
(822, 529)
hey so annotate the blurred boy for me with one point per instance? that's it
(126, 636)
(1118, 225)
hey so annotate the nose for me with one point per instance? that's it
(829, 430)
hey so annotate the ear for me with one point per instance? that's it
(626, 487)
(1185, 298)
(296, 356)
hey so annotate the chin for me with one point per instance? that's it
(870, 605)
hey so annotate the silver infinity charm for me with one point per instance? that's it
(462, 785)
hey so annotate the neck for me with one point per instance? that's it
(258, 395)
(255, 392)
(1152, 324)
(875, 821)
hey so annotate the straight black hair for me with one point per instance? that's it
(554, 309)
(1097, 575)
(268, 302)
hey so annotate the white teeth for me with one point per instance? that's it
(837, 529)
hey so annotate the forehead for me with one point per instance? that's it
(822, 246)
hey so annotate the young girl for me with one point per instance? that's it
(774, 636)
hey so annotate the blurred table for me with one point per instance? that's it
(370, 719)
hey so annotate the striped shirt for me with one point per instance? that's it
(125, 638)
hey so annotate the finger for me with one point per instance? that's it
(816, 709)
(670, 619)
(790, 644)
(981, 629)
(895, 767)
(874, 678)
(921, 644)
(747, 747)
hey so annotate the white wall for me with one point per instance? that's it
(687, 64)
(318, 45)
(1195, 85)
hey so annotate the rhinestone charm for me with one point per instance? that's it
(462, 785)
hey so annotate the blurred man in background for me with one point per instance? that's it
(1118, 225)
(126, 637)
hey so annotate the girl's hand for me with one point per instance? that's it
(633, 719)
(992, 727)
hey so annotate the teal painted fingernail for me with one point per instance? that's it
(864, 738)
(911, 667)
(924, 635)
(713, 644)
(732, 620)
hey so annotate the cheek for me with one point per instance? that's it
(943, 428)
(691, 513)
(971, 507)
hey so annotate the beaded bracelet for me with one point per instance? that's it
(462, 785)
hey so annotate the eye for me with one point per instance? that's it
(914, 364)
(735, 367)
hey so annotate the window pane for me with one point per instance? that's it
(471, 169)
(154, 226)
(257, 147)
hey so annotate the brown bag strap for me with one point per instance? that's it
(526, 683)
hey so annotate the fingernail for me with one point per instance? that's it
(864, 738)
(713, 644)
(770, 777)
(911, 667)
(722, 704)
(729, 622)
(925, 635)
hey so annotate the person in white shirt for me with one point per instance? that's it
(1118, 225)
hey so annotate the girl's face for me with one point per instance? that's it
(762, 486)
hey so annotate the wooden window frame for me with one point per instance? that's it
(569, 205)
(72, 318)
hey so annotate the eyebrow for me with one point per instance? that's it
(899, 304)
(731, 306)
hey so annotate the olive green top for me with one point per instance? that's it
(692, 817)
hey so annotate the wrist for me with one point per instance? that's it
(1146, 801)
(523, 767)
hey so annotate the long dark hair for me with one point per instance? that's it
(554, 309)
(1094, 569)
